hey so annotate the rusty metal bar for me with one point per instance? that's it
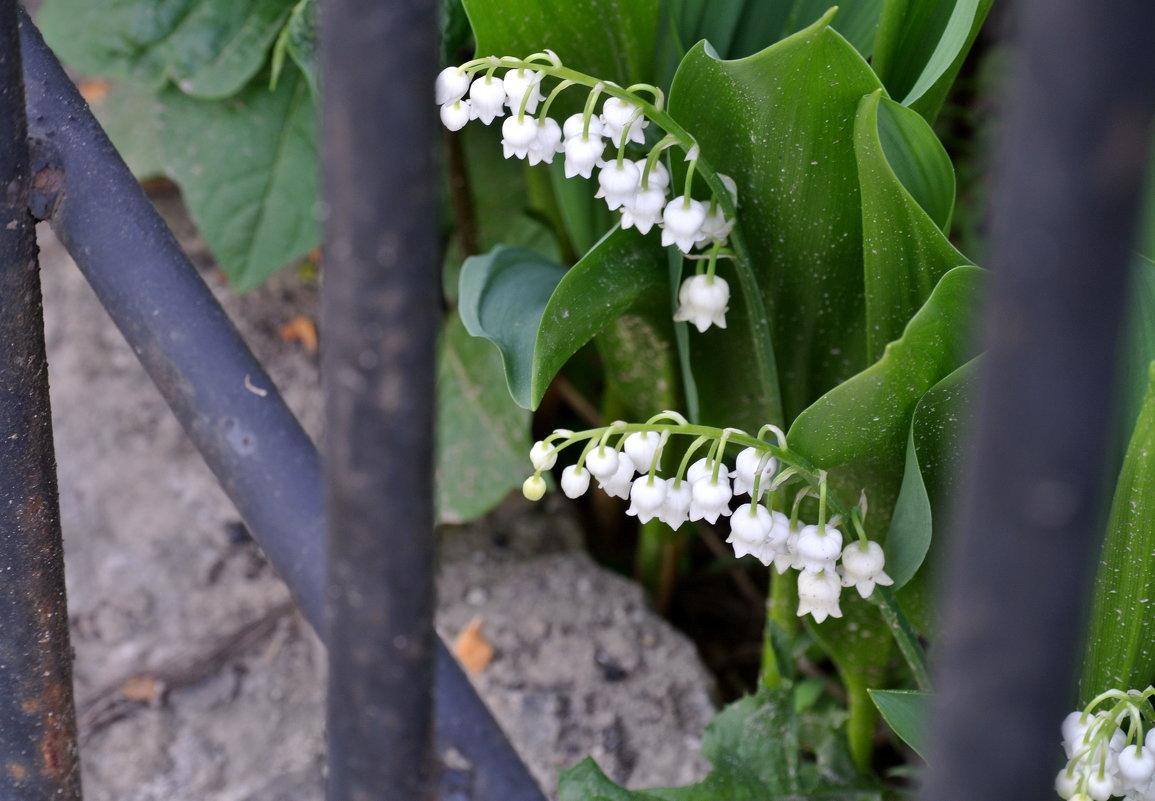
(38, 756)
(1072, 164)
(256, 448)
(381, 305)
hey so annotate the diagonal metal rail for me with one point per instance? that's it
(217, 389)
(38, 758)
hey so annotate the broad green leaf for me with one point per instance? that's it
(586, 782)
(934, 453)
(298, 41)
(248, 169)
(129, 114)
(483, 440)
(538, 314)
(920, 47)
(907, 186)
(1120, 649)
(907, 714)
(209, 48)
(609, 39)
(866, 419)
(781, 123)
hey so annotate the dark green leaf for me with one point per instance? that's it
(783, 129)
(483, 440)
(209, 48)
(920, 47)
(538, 314)
(907, 714)
(298, 41)
(907, 186)
(1120, 649)
(934, 454)
(586, 782)
(867, 418)
(248, 169)
(610, 39)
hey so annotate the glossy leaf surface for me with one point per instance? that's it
(248, 169)
(539, 314)
(907, 714)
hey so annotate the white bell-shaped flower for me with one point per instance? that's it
(452, 83)
(745, 467)
(519, 83)
(575, 125)
(682, 222)
(787, 556)
(1101, 784)
(582, 154)
(487, 99)
(703, 301)
(1067, 782)
(646, 211)
(704, 467)
(862, 568)
(1136, 766)
(676, 507)
(456, 113)
(575, 481)
(818, 550)
(517, 134)
(618, 183)
(621, 116)
(750, 527)
(647, 494)
(641, 446)
(542, 456)
(710, 497)
(715, 228)
(602, 462)
(547, 143)
(1075, 726)
(621, 482)
(818, 595)
(659, 176)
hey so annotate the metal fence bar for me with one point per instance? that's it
(256, 448)
(381, 304)
(1074, 156)
(38, 758)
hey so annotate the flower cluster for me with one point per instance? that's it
(1107, 751)
(638, 188)
(703, 489)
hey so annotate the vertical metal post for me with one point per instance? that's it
(38, 758)
(1073, 159)
(380, 310)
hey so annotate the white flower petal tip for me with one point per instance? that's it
(647, 494)
(618, 183)
(518, 134)
(575, 481)
(487, 99)
(456, 113)
(623, 117)
(452, 84)
(745, 467)
(642, 446)
(619, 484)
(646, 210)
(676, 508)
(818, 550)
(546, 143)
(582, 154)
(818, 595)
(703, 301)
(602, 462)
(710, 498)
(862, 567)
(682, 220)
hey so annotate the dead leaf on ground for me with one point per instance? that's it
(302, 330)
(142, 688)
(93, 90)
(473, 651)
